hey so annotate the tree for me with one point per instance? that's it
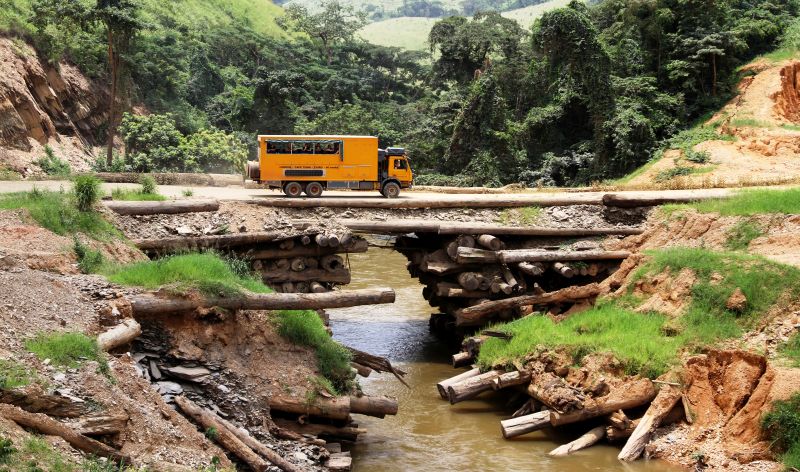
(121, 22)
(334, 23)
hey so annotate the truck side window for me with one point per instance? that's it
(399, 164)
(278, 147)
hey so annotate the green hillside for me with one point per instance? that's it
(412, 32)
(191, 14)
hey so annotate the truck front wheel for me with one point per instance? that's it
(314, 189)
(293, 189)
(391, 190)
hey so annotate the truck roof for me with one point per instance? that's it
(314, 136)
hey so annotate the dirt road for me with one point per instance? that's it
(240, 193)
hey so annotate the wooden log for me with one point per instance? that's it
(331, 408)
(119, 335)
(321, 240)
(666, 399)
(226, 438)
(563, 269)
(287, 287)
(511, 379)
(297, 264)
(497, 201)
(244, 436)
(532, 268)
(498, 286)
(618, 431)
(461, 359)
(48, 426)
(301, 287)
(152, 304)
(476, 315)
(305, 240)
(526, 409)
(222, 241)
(102, 424)
(359, 245)
(520, 425)
(169, 207)
(469, 280)
(509, 276)
(377, 406)
(346, 433)
(316, 287)
(283, 264)
(445, 384)
(33, 400)
(333, 240)
(622, 200)
(287, 245)
(448, 290)
(589, 439)
(312, 263)
(340, 276)
(490, 242)
(331, 262)
(555, 393)
(471, 255)
(472, 387)
(630, 395)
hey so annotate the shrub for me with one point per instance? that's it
(188, 192)
(89, 260)
(52, 164)
(87, 192)
(149, 186)
(698, 157)
(66, 349)
(740, 236)
(782, 424)
(669, 174)
(7, 450)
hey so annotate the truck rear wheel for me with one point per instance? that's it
(293, 189)
(391, 190)
(314, 189)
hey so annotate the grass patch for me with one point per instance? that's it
(89, 260)
(750, 122)
(66, 349)
(14, 375)
(136, 195)
(525, 216)
(304, 327)
(636, 173)
(791, 350)
(58, 212)
(782, 424)
(35, 454)
(749, 202)
(669, 174)
(207, 272)
(740, 236)
(52, 164)
(648, 344)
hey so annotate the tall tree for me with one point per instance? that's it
(121, 21)
(332, 24)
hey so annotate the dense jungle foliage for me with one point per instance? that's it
(588, 93)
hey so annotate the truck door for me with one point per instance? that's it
(398, 168)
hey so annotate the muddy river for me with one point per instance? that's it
(429, 434)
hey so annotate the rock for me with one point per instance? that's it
(154, 372)
(301, 456)
(195, 374)
(737, 301)
(168, 388)
(184, 231)
(60, 377)
(223, 389)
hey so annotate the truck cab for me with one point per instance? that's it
(394, 171)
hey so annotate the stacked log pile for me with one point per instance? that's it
(476, 279)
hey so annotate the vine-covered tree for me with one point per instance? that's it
(332, 25)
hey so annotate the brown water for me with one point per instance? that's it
(429, 434)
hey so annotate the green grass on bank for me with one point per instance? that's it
(649, 344)
(748, 203)
(35, 454)
(782, 424)
(57, 211)
(741, 234)
(207, 272)
(13, 374)
(791, 350)
(305, 327)
(136, 195)
(66, 349)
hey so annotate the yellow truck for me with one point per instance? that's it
(311, 164)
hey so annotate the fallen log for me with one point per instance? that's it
(630, 395)
(170, 207)
(445, 384)
(226, 438)
(153, 304)
(377, 406)
(222, 241)
(554, 392)
(461, 359)
(376, 363)
(526, 409)
(497, 201)
(119, 335)
(448, 290)
(244, 436)
(338, 276)
(331, 408)
(490, 242)
(508, 256)
(476, 315)
(563, 269)
(472, 387)
(102, 424)
(520, 425)
(33, 400)
(666, 399)
(461, 241)
(622, 200)
(532, 268)
(590, 438)
(331, 263)
(362, 370)
(359, 245)
(469, 280)
(618, 431)
(346, 433)
(509, 277)
(297, 264)
(511, 379)
(48, 426)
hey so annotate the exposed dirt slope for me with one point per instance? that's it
(45, 105)
(763, 140)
